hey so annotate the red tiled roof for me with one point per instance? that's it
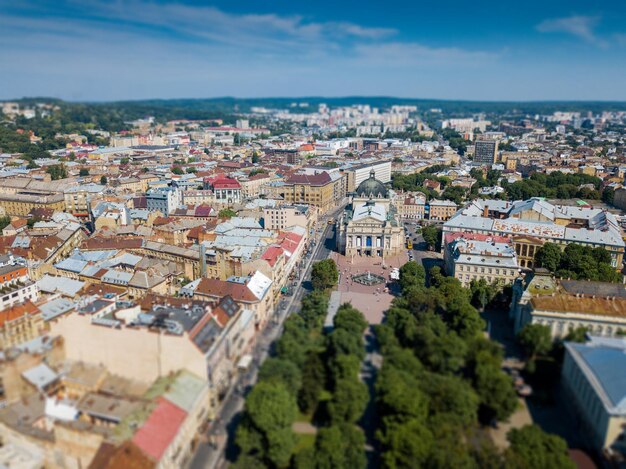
(476, 237)
(220, 288)
(272, 254)
(17, 311)
(158, 431)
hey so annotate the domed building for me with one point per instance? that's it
(369, 225)
(372, 188)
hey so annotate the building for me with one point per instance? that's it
(321, 189)
(355, 175)
(165, 200)
(565, 305)
(535, 220)
(15, 285)
(225, 190)
(486, 152)
(593, 378)
(21, 204)
(20, 323)
(470, 257)
(441, 210)
(78, 199)
(411, 206)
(369, 226)
(284, 216)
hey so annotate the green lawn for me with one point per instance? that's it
(304, 441)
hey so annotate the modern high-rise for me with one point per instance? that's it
(485, 151)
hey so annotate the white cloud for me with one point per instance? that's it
(579, 26)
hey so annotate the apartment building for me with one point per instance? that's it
(441, 210)
(165, 200)
(470, 257)
(284, 216)
(322, 190)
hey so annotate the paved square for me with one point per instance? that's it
(372, 301)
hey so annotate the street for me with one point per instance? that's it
(217, 447)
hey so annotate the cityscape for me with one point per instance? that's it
(311, 274)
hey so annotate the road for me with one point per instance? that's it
(420, 251)
(217, 446)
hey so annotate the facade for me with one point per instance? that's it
(486, 152)
(441, 210)
(598, 391)
(21, 204)
(369, 226)
(470, 257)
(322, 190)
(565, 305)
(78, 199)
(225, 190)
(411, 206)
(284, 216)
(19, 324)
(165, 200)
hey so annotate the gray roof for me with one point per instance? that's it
(603, 361)
(40, 376)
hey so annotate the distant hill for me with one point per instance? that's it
(222, 107)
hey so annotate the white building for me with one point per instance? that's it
(165, 200)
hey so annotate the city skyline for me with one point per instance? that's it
(137, 50)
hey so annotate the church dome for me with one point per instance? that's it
(372, 187)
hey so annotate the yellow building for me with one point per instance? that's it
(321, 189)
(19, 324)
(21, 204)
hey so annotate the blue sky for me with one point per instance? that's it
(136, 49)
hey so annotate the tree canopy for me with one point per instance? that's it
(324, 274)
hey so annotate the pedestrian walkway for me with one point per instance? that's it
(333, 305)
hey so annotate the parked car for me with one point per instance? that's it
(524, 390)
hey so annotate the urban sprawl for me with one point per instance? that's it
(179, 292)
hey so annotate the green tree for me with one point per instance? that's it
(577, 335)
(536, 339)
(83, 172)
(177, 170)
(350, 319)
(341, 341)
(255, 157)
(494, 388)
(549, 256)
(56, 171)
(406, 445)
(532, 448)
(482, 293)
(338, 447)
(277, 370)
(324, 274)
(103, 180)
(313, 380)
(4, 221)
(227, 213)
(431, 236)
(270, 411)
(348, 402)
(412, 274)
(608, 195)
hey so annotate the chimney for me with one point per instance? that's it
(485, 211)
